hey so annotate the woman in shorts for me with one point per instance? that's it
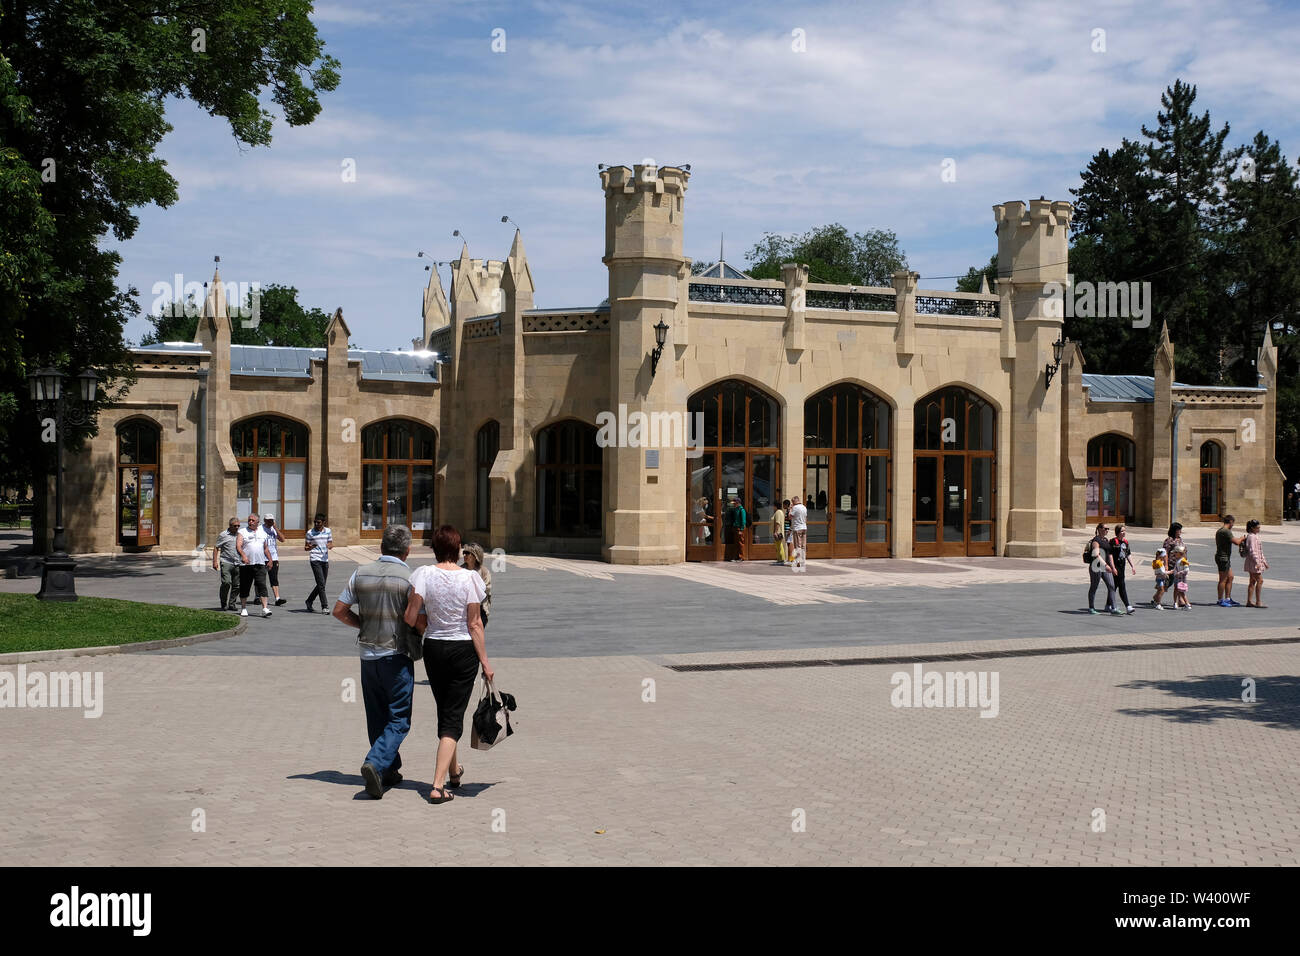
(1255, 564)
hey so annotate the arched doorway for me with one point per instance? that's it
(397, 457)
(739, 458)
(955, 466)
(272, 457)
(1110, 478)
(138, 451)
(847, 472)
(1211, 481)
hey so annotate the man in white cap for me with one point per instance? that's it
(273, 538)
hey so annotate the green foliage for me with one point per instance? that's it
(974, 278)
(1217, 234)
(281, 321)
(832, 255)
(83, 86)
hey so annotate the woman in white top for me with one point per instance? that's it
(444, 603)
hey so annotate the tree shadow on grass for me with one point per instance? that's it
(1277, 702)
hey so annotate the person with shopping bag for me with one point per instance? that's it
(444, 602)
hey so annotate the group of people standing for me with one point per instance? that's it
(1108, 560)
(790, 531)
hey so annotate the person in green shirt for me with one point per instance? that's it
(737, 529)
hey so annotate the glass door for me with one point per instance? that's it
(733, 488)
(952, 533)
(761, 504)
(703, 530)
(926, 512)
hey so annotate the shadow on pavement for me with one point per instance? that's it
(467, 790)
(1277, 701)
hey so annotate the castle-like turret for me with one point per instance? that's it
(648, 278)
(1033, 250)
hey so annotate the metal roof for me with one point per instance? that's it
(270, 361)
(720, 270)
(1120, 388)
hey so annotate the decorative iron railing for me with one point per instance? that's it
(943, 305)
(850, 301)
(737, 294)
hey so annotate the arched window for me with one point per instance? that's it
(486, 445)
(739, 460)
(272, 457)
(1110, 478)
(847, 472)
(1211, 481)
(138, 448)
(954, 470)
(569, 479)
(397, 460)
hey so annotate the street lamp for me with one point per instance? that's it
(58, 582)
(1057, 348)
(661, 336)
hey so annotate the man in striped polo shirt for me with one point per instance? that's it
(389, 648)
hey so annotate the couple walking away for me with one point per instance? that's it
(432, 612)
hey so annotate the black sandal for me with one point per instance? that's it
(453, 779)
(444, 796)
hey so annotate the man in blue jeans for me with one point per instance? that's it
(389, 648)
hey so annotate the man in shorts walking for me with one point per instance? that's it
(255, 555)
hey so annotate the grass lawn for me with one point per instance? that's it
(27, 624)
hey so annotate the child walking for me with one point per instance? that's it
(1158, 565)
(1181, 566)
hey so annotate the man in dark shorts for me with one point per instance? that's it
(1224, 542)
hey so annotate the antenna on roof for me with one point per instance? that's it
(722, 239)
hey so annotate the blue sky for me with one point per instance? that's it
(447, 134)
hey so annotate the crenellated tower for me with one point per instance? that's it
(648, 281)
(1033, 254)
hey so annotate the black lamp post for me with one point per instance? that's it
(57, 576)
(661, 336)
(1057, 348)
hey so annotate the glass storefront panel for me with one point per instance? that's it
(129, 503)
(372, 497)
(701, 494)
(244, 493)
(398, 490)
(761, 505)
(876, 494)
(845, 506)
(817, 470)
(422, 498)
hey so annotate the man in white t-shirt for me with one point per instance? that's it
(254, 555)
(799, 525)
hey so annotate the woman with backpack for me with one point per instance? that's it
(1121, 555)
(1100, 569)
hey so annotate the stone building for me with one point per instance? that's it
(913, 422)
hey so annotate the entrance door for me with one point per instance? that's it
(846, 472)
(739, 461)
(953, 510)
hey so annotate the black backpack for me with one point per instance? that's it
(1087, 552)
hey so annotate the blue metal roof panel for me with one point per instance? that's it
(1120, 388)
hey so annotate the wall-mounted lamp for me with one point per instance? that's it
(1057, 348)
(661, 336)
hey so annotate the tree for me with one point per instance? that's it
(975, 278)
(832, 255)
(281, 321)
(83, 85)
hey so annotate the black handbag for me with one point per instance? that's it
(492, 723)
